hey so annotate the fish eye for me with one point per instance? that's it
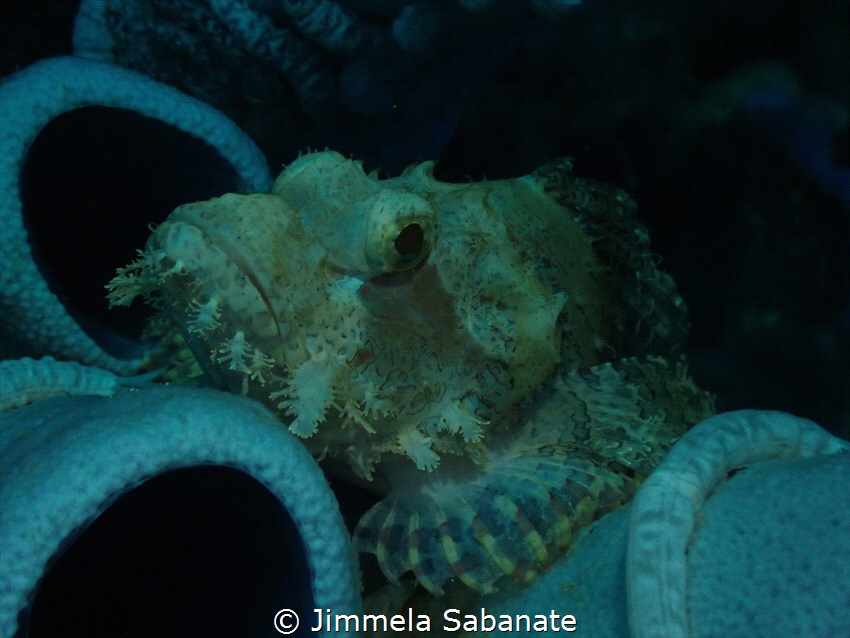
(401, 230)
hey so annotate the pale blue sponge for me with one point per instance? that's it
(771, 556)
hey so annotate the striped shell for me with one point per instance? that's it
(450, 345)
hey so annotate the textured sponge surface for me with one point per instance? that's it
(773, 551)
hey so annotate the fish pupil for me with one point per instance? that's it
(409, 242)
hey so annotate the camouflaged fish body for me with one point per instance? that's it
(450, 341)
(581, 449)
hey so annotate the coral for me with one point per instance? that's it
(31, 98)
(382, 81)
(64, 460)
(410, 329)
(134, 34)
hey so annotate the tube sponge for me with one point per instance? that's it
(31, 98)
(770, 556)
(65, 459)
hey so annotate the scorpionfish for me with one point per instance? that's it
(500, 360)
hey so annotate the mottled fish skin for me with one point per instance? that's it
(579, 450)
(450, 345)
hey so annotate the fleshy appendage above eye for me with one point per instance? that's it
(401, 229)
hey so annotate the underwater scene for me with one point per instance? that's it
(424, 317)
